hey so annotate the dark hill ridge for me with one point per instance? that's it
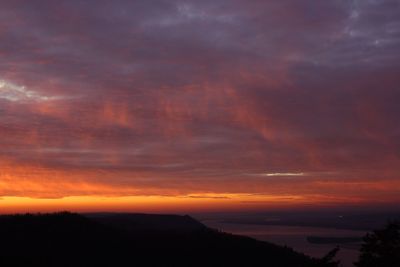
(140, 221)
(66, 239)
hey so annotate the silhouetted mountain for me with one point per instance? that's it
(144, 222)
(66, 239)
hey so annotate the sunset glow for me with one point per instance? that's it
(171, 106)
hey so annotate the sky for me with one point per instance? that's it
(207, 105)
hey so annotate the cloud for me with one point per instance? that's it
(172, 97)
(13, 92)
(284, 174)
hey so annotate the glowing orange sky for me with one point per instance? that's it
(203, 105)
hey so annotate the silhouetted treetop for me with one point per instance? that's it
(381, 248)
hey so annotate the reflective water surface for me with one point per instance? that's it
(296, 237)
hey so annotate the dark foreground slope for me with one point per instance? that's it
(138, 222)
(66, 239)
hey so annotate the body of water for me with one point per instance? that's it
(296, 238)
